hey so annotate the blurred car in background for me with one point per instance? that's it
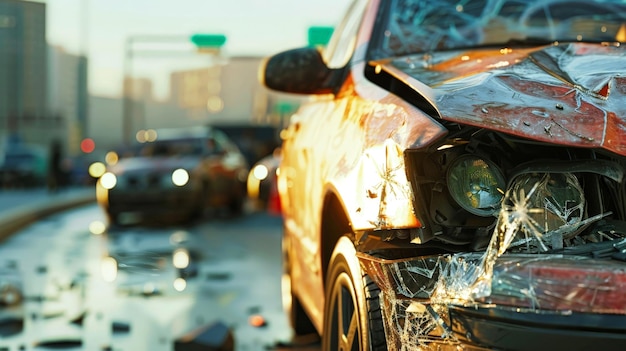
(23, 165)
(178, 175)
(458, 182)
(255, 141)
(262, 187)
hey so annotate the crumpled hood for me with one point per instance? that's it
(570, 94)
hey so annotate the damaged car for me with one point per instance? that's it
(456, 179)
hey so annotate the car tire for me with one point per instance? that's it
(352, 314)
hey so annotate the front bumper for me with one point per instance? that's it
(511, 329)
(530, 302)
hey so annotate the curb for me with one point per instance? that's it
(19, 218)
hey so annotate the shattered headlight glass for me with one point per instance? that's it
(476, 185)
(542, 206)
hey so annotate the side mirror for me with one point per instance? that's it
(298, 71)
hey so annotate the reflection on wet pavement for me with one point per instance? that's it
(214, 284)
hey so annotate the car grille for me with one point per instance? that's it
(142, 181)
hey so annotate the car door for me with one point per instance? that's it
(310, 140)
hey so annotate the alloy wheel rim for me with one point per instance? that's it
(344, 327)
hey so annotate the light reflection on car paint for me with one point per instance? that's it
(379, 166)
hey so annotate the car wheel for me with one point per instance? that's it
(352, 315)
(298, 319)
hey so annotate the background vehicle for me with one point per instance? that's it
(255, 141)
(23, 165)
(458, 183)
(262, 186)
(180, 174)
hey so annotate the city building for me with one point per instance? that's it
(226, 92)
(23, 74)
(68, 96)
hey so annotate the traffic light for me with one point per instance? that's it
(87, 145)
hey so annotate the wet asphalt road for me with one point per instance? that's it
(146, 287)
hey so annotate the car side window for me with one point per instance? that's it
(343, 41)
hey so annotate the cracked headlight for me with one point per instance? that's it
(547, 202)
(477, 185)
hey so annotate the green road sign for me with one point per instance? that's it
(319, 35)
(208, 40)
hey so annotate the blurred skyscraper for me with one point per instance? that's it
(23, 70)
(228, 92)
(43, 90)
(68, 96)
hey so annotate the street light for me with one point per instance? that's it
(205, 43)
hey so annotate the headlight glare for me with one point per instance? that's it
(97, 169)
(108, 180)
(260, 172)
(180, 177)
(476, 184)
(180, 258)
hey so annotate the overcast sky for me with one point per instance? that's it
(252, 27)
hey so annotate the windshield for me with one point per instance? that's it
(174, 148)
(419, 26)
